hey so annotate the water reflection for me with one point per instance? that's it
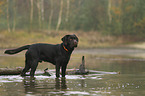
(60, 83)
(34, 85)
(29, 84)
(108, 85)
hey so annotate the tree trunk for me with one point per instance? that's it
(39, 12)
(31, 14)
(122, 17)
(109, 11)
(8, 23)
(51, 14)
(14, 21)
(42, 10)
(60, 14)
(67, 12)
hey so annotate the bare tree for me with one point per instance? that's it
(42, 10)
(14, 21)
(39, 12)
(8, 23)
(40, 6)
(50, 16)
(31, 14)
(109, 11)
(67, 11)
(60, 14)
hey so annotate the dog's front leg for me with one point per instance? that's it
(63, 70)
(57, 70)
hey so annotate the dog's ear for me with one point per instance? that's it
(65, 38)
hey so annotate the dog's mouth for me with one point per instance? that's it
(75, 45)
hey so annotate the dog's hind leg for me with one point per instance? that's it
(33, 67)
(27, 67)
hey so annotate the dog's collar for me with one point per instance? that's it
(65, 48)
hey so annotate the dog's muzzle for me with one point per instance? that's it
(75, 43)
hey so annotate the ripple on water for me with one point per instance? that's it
(11, 78)
(93, 75)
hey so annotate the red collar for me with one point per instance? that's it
(65, 48)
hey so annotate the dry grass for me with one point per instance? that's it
(86, 39)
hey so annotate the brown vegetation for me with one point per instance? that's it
(86, 39)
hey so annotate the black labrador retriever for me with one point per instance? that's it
(58, 55)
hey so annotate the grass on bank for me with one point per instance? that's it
(86, 39)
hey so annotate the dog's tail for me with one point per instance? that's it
(14, 51)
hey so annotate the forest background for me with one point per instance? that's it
(98, 23)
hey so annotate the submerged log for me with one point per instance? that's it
(11, 71)
(81, 70)
(76, 72)
(18, 70)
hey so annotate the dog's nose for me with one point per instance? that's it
(75, 42)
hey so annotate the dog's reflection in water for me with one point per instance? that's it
(33, 85)
(60, 83)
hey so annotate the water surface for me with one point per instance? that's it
(113, 72)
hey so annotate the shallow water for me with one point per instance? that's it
(112, 74)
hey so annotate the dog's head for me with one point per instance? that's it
(70, 40)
